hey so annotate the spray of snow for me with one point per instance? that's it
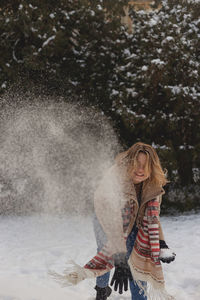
(52, 155)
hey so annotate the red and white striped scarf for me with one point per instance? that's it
(144, 260)
(146, 244)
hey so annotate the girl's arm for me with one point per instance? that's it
(166, 255)
(161, 234)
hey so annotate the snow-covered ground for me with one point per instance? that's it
(32, 245)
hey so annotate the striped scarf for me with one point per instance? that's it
(103, 260)
(146, 244)
(144, 260)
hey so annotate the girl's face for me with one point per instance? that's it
(139, 173)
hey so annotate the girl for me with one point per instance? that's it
(127, 206)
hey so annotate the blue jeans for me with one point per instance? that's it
(103, 281)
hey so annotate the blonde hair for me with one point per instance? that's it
(157, 175)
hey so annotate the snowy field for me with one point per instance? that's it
(30, 246)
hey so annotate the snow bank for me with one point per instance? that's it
(30, 246)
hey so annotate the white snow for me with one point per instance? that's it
(99, 7)
(133, 93)
(154, 20)
(72, 12)
(184, 147)
(66, 14)
(34, 29)
(164, 147)
(3, 86)
(196, 174)
(167, 39)
(31, 6)
(175, 89)
(32, 245)
(48, 40)
(92, 13)
(127, 52)
(52, 16)
(157, 61)
(144, 68)
(114, 92)
(13, 53)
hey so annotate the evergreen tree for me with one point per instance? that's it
(158, 95)
(73, 42)
(147, 82)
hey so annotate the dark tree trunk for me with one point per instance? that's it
(184, 162)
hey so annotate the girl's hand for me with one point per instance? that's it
(166, 254)
(122, 273)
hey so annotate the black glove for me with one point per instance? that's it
(166, 255)
(103, 293)
(122, 273)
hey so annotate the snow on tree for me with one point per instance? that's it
(157, 95)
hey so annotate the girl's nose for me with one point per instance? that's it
(140, 170)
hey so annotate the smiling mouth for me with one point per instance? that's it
(139, 175)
